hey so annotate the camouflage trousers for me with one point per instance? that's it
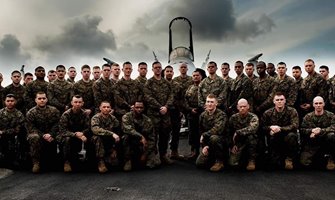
(216, 151)
(194, 134)
(134, 149)
(282, 145)
(176, 125)
(321, 145)
(247, 144)
(71, 146)
(162, 130)
(38, 145)
(8, 148)
(104, 146)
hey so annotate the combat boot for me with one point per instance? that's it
(251, 165)
(67, 167)
(36, 167)
(288, 164)
(127, 166)
(218, 166)
(176, 156)
(102, 167)
(166, 160)
(330, 164)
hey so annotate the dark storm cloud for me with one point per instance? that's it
(212, 20)
(79, 37)
(11, 54)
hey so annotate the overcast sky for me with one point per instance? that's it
(77, 32)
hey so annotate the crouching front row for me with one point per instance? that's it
(274, 139)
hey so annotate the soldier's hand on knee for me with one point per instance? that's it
(116, 137)
(205, 150)
(83, 138)
(234, 149)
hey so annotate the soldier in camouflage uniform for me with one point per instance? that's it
(60, 91)
(17, 89)
(331, 94)
(242, 129)
(72, 73)
(313, 85)
(271, 70)
(183, 79)
(280, 125)
(115, 73)
(249, 71)
(74, 129)
(175, 112)
(96, 72)
(38, 85)
(42, 127)
(84, 88)
(318, 135)
(142, 73)
(296, 73)
(193, 113)
(106, 136)
(212, 124)
(225, 68)
(27, 78)
(103, 89)
(285, 84)
(129, 91)
(11, 125)
(139, 139)
(240, 88)
(262, 87)
(159, 96)
(213, 84)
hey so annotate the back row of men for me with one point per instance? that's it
(166, 98)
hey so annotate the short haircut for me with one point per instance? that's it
(126, 63)
(71, 68)
(212, 62)
(168, 67)
(115, 64)
(324, 67)
(211, 96)
(51, 71)
(279, 94)
(77, 96)
(297, 67)
(142, 63)
(27, 74)
(60, 67)
(310, 60)
(250, 64)
(40, 92)
(39, 68)
(156, 62)
(96, 67)
(106, 65)
(105, 102)
(225, 63)
(262, 63)
(15, 72)
(10, 96)
(281, 63)
(85, 67)
(239, 62)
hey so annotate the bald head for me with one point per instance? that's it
(243, 106)
(318, 99)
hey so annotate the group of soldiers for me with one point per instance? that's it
(270, 118)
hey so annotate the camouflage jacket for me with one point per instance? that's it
(229, 80)
(141, 80)
(216, 86)
(191, 98)
(241, 87)
(60, 94)
(178, 96)
(31, 90)
(157, 93)
(326, 122)
(137, 126)
(85, 89)
(312, 86)
(11, 122)
(288, 120)
(43, 120)
(18, 93)
(331, 96)
(71, 122)
(243, 125)
(214, 124)
(288, 87)
(184, 82)
(104, 90)
(261, 90)
(105, 126)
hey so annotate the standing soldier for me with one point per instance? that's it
(193, 113)
(52, 75)
(84, 88)
(318, 135)
(103, 88)
(280, 125)
(139, 138)
(285, 84)
(183, 79)
(213, 84)
(271, 70)
(225, 68)
(27, 78)
(129, 91)
(96, 73)
(142, 73)
(243, 135)
(262, 87)
(11, 125)
(313, 85)
(17, 90)
(106, 135)
(240, 88)
(115, 73)
(296, 73)
(74, 129)
(72, 73)
(249, 71)
(175, 112)
(60, 91)
(42, 127)
(159, 96)
(38, 85)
